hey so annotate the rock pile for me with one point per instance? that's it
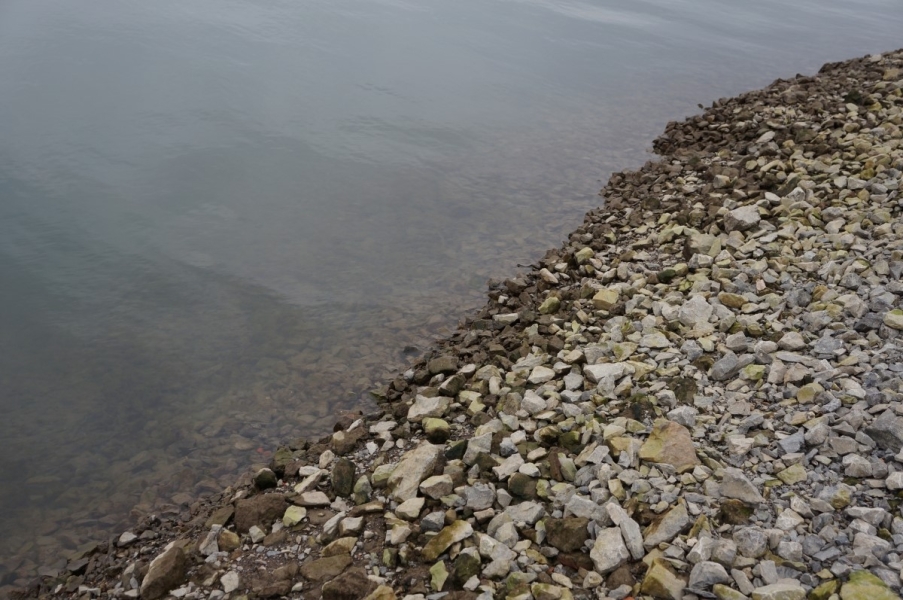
(698, 396)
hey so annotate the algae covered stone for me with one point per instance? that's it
(894, 319)
(606, 299)
(862, 585)
(456, 532)
(293, 515)
(438, 576)
(661, 582)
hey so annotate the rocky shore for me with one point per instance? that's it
(699, 395)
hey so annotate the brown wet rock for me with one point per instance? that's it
(522, 486)
(265, 479)
(286, 572)
(260, 510)
(735, 512)
(351, 585)
(275, 538)
(576, 561)
(344, 442)
(343, 477)
(567, 534)
(345, 418)
(326, 568)
(275, 589)
(319, 516)
(220, 516)
(281, 459)
(443, 364)
(620, 576)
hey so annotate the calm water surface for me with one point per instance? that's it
(222, 221)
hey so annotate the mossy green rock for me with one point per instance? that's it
(436, 430)
(623, 350)
(466, 565)
(571, 441)
(522, 486)
(281, 458)
(661, 582)
(754, 372)
(894, 318)
(343, 477)
(381, 475)
(735, 512)
(824, 590)
(793, 474)
(456, 532)
(606, 299)
(549, 306)
(438, 576)
(723, 592)
(862, 585)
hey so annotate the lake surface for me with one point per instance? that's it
(221, 222)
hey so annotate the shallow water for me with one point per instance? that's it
(220, 222)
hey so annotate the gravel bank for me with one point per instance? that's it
(697, 396)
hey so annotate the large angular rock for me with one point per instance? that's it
(783, 590)
(260, 510)
(609, 551)
(668, 527)
(596, 373)
(326, 568)
(350, 585)
(670, 443)
(661, 582)
(424, 407)
(630, 530)
(887, 431)
(862, 585)
(695, 312)
(343, 477)
(456, 532)
(414, 466)
(742, 218)
(736, 485)
(165, 572)
(383, 592)
(606, 299)
(706, 574)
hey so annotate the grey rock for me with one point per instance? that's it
(736, 485)
(751, 542)
(725, 367)
(414, 466)
(476, 446)
(665, 530)
(887, 431)
(742, 218)
(705, 574)
(609, 551)
(630, 530)
(479, 496)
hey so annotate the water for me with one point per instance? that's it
(220, 222)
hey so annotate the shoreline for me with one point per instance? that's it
(696, 396)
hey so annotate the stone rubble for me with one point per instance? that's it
(697, 396)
